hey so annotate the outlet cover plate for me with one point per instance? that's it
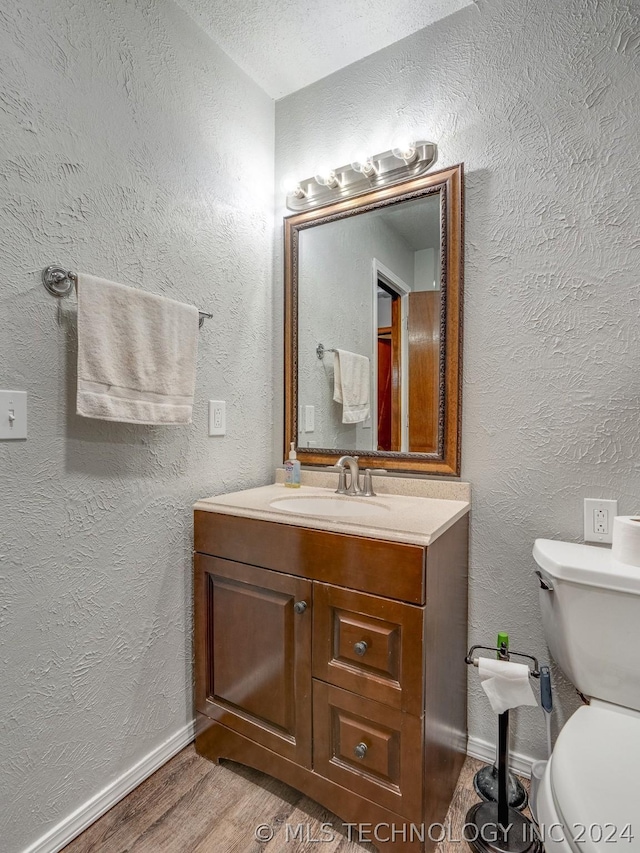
(217, 417)
(598, 520)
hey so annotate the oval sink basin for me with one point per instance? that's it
(334, 505)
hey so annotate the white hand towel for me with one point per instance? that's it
(136, 354)
(351, 381)
(506, 684)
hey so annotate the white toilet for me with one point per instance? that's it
(589, 797)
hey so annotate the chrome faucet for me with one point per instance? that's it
(354, 480)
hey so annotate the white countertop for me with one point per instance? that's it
(409, 518)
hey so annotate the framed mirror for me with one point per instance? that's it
(373, 327)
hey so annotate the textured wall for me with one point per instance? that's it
(541, 101)
(336, 308)
(286, 44)
(132, 148)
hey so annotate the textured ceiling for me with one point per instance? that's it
(285, 45)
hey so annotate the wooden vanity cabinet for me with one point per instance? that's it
(335, 663)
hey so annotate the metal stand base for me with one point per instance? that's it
(484, 834)
(485, 783)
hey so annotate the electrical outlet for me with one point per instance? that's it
(598, 519)
(217, 417)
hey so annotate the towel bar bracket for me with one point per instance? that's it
(321, 349)
(60, 282)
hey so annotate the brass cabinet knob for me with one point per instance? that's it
(360, 750)
(360, 648)
(300, 606)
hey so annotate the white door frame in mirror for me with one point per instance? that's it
(395, 283)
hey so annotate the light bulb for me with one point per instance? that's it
(327, 179)
(405, 150)
(292, 188)
(365, 166)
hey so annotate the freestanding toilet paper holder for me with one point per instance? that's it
(496, 827)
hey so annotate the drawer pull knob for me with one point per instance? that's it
(360, 750)
(300, 606)
(360, 648)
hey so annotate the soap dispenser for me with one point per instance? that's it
(292, 469)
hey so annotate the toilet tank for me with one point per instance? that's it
(591, 619)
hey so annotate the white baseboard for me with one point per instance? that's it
(75, 823)
(485, 751)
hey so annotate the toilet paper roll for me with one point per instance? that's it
(506, 684)
(625, 546)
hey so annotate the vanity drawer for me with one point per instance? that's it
(369, 645)
(392, 569)
(368, 748)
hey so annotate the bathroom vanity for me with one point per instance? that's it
(329, 650)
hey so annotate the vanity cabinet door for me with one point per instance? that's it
(253, 653)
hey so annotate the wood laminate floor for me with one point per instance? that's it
(191, 805)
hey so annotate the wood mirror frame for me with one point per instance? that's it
(446, 460)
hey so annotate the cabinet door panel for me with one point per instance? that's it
(253, 653)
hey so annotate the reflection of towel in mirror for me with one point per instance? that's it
(351, 385)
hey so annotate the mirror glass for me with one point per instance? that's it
(369, 285)
(373, 288)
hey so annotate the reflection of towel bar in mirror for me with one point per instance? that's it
(321, 349)
(60, 282)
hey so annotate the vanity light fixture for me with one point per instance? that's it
(406, 160)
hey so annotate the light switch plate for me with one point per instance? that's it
(598, 520)
(309, 418)
(13, 414)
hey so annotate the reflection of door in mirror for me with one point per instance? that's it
(389, 368)
(417, 367)
(423, 330)
(417, 431)
(408, 339)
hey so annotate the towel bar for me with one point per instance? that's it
(60, 282)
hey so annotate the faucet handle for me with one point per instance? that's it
(367, 490)
(342, 479)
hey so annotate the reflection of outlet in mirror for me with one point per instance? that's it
(598, 520)
(217, 417)
(13, 414)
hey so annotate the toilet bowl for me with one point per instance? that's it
(589, 797)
